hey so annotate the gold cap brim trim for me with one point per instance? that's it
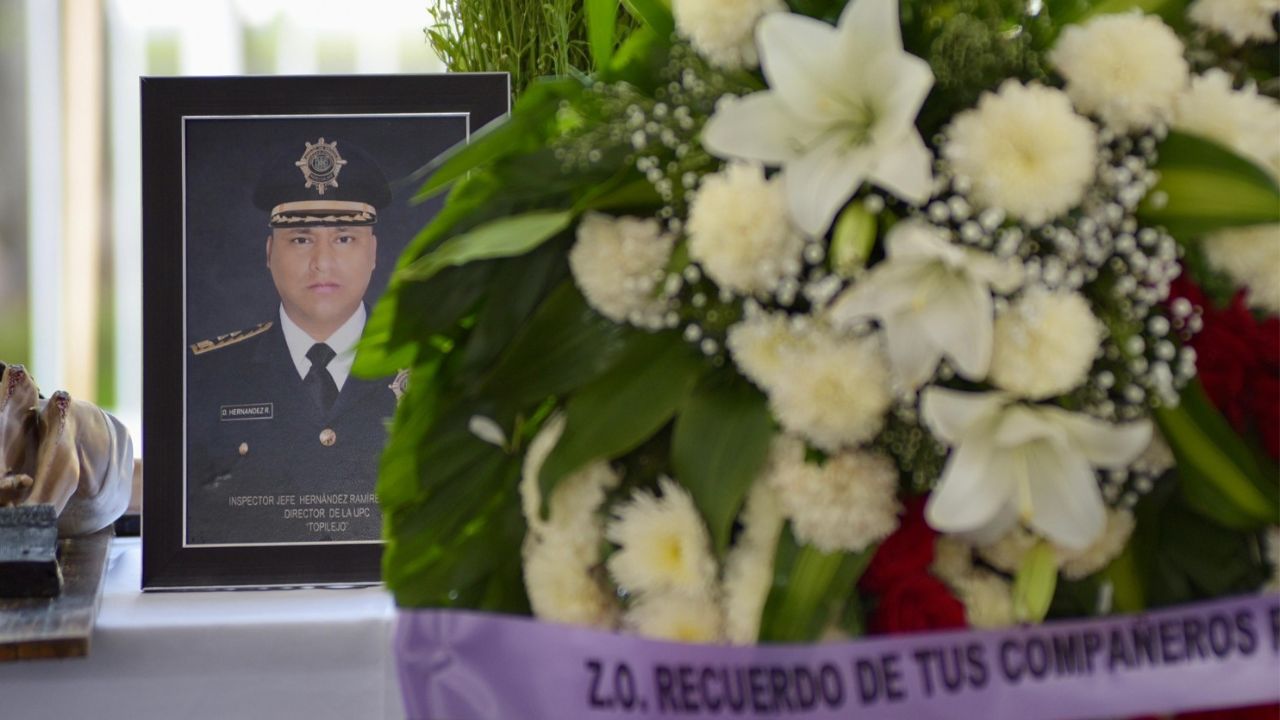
(330, 212)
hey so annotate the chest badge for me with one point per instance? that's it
(400, 385)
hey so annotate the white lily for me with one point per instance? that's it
(932, 298)
(1030, 462)
(841, 111)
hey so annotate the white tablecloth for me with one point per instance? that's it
(233, 654)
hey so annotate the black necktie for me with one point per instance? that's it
(318, 379)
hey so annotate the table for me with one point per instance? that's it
(313, 653)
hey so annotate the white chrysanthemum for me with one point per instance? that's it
(1126, 69)
(1045, 344)
(836, 394)
(1008, 552)
(1240, 20)
(1242, 120)
(561, 553)
(617, 262)
(764, 344)
(534, 458)
(1271, 540)
(576, 498)
(1251, 256)
(663, 544)
(987, 599)
(1024, 150)
(952, 559)
(748, 569)
(723, 31)
(1077, 564)
(740, 231)
(561, 583)
(676, 616)
(845, 504)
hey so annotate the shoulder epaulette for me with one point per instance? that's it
(232, 338)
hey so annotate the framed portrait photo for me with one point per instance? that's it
(274, 210)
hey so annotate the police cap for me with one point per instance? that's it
(322, 183)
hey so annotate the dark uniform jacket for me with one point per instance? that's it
(265, 463)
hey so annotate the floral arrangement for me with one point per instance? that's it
(806, 319)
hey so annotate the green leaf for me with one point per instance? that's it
(626, 405)
(1215, 465)
(721, 440)
(635, 194)
(1180, 555)
(518, 286)
(1205, 187)
(653, 13)
(518, 132)
(504, 237)
(393, 339)
(1128, 594)
(564, 345)
(1034, 584)
(809, 589)
(601, 20)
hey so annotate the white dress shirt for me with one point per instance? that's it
(342, 341)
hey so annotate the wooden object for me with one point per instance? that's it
(35, 628)
(29, 552)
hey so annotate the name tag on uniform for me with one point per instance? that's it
(255, 411)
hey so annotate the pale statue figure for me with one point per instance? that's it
(63, 452)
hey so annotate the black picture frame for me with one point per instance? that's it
(183, 188)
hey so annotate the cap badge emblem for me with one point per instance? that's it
(320, 165)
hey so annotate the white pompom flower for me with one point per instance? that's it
(1007, 553)
(748, 568)
(677, 617)
(1045, 344)
(561, 583)
(845, 504)
(1251, 256)
(764, 345)
(1240, 20)
(1024, 150)
(1242, 120)
(576, 498)
(1127, 69)
(663, 544)
(987, 599)
(617, 263)
(836, 394)
(740, 231)
(1077, 564)
(723, 31)
(562, 553)
(952, 559)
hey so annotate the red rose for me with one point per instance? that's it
(1264, 395)
(1238, 363)
(1256, 712)
(908, 551)
(917, 602)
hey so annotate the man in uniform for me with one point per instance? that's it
(283, 441)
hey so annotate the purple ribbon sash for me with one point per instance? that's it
(462, 665)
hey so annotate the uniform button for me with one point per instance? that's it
(244, 448)
(328, 437)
